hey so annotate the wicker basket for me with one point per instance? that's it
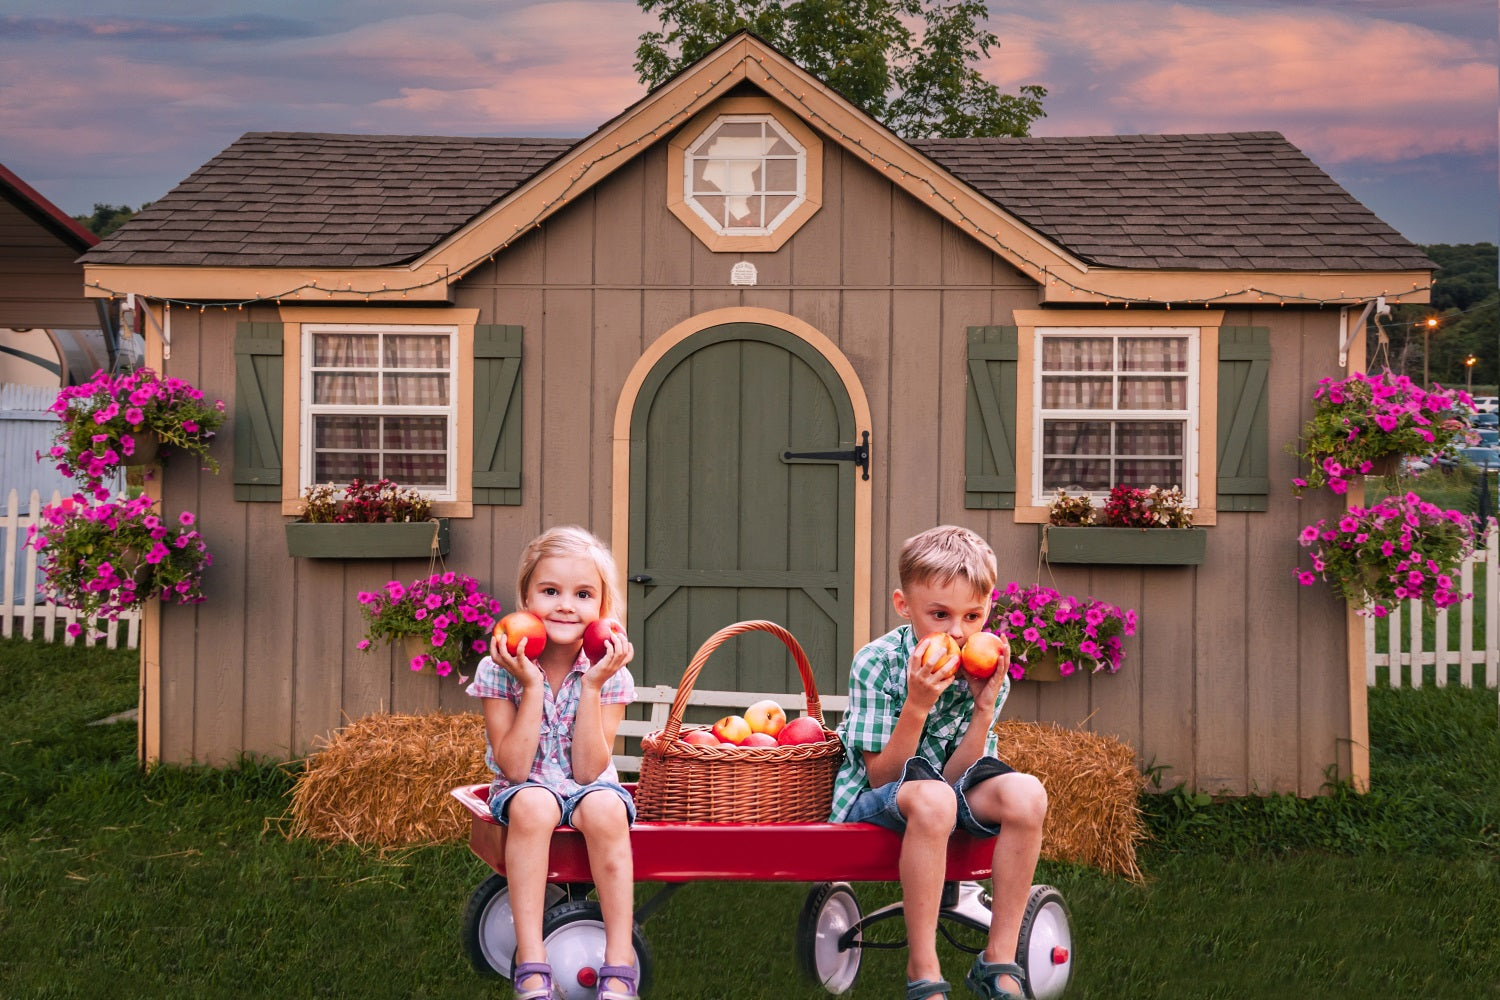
(693, 783)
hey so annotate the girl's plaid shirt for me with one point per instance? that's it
(877, 691)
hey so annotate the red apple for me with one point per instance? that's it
(700, 737)
(759, 740)
(519, 625)
(803, 729)
(940, 646)
(982, 654)
(599, 631)
(732, 729)
(765, 717)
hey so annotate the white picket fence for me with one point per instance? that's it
(20, 608)
(1402, 665)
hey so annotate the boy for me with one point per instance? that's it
(921, 758)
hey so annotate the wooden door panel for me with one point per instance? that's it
(726, 530)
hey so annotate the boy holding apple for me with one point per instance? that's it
(921, 756)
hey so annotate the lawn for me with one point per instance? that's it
(179, 883)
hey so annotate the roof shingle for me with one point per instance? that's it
(1248, 200)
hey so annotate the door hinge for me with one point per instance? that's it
(859, 455)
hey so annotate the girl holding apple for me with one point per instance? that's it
(921, 755)
(550, 717)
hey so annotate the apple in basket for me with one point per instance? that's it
(519, 625)
(803, 729)
(732, 729)
(982, 654)
(700, 737)
(759, 740)
(599, 631)
(766, 717)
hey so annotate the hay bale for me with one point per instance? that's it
(1093, 793)
(383, 780)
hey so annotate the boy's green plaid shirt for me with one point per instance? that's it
(877, 691)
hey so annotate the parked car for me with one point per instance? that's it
(1485, 420)
(1489, 437)
(1487, 404)
(1484, 458)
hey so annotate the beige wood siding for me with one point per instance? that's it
(1236, 682)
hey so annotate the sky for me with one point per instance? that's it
(103, 101)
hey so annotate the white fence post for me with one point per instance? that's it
(18, 599)
(1406, 655)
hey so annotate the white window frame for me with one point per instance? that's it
(1191, 415)
(696, 153)
(449, 411)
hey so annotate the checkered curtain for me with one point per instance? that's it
(411, 450)
(1095, 454)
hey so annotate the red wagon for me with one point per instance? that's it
(830, 935)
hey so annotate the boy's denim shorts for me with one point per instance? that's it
(878, 805)
(500, 802)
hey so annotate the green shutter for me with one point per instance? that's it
(990, 428)
(497, 414)
(1244, 405)
(257, 411)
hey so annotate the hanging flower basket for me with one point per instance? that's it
(133, 418)
(108, 558)
(1397, 549)
(1364, 424)
(1058, 635)
(442, 620)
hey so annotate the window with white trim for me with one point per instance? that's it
(1115, 407)
(379, 402)
(745, 175)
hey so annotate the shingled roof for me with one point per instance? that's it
(1190, 202)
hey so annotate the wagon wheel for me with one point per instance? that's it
(827, 916)
(573, 934)
(489, 936)
(1045, 947)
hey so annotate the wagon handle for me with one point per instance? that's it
(679, 703)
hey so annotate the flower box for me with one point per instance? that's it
(1124, 546)
(358, 540)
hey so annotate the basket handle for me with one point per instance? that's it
(679, 704)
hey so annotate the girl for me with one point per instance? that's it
(550, 722)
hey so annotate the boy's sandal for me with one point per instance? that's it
(921, 989)
(627, 974)
(984, 979)
(534, 970)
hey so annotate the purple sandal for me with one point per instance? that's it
(627, 974)
(542, 971)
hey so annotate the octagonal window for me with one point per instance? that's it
(745, 175)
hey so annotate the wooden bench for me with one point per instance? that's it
(660, 697)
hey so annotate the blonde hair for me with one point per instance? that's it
(569, 541)
(946, 553)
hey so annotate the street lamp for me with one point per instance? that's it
(1426, 332)
(1469, 364)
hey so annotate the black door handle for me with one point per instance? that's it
(640, 578)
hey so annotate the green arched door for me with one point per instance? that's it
(724, 527)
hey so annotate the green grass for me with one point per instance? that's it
(179, 882)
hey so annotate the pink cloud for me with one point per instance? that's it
(1342, 87)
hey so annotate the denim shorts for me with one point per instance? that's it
(878, 805)
(500, 801)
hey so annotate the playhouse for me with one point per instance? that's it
(755, 340)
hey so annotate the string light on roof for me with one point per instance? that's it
(1042, 273)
